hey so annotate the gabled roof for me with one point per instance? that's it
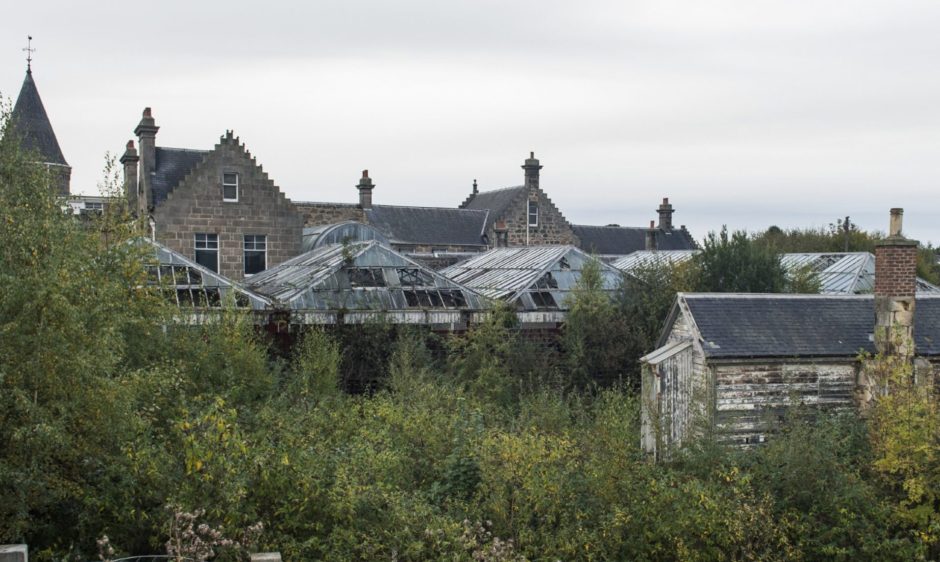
(762, 325)
(194, 286)
(495, 201)
(512, 274)
(170, 167)
(360, 276)
(31, 122)
(429, 225)
(623, 240)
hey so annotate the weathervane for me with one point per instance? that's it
(29, 53)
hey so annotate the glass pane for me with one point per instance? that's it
(254, 262)
(208, 259)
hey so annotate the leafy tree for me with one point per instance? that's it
(904, 429)
(643, 301)
(736, 264)
(592, 333)
(73, 301)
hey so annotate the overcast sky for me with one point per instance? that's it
(746, 113)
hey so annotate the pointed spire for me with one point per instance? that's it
(32, 124)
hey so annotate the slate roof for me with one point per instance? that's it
(170, 167)
(30, 120)
(623, 240)
(429, 225)
(762, 325)
(495, 201)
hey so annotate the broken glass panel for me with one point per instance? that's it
(366, 277)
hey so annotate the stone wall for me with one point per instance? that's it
(196, 206)
(316, 214)
(552, 229)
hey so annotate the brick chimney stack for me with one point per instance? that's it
(365, 190)
(531, 168)
(146, 132)
(895, 288)
(665, 214)
(651, 238)
(129, 160)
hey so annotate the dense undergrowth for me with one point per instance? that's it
(484, 447)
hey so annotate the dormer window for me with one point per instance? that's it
(229, 186)
(533, 213)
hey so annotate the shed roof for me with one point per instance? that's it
(360, 276)
(763, 325)
(32, 124)
(623, 240)
(512, 273)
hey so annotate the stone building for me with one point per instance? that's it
(30, 124)
(217, 207)
(733, 364)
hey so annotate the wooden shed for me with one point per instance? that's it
(732, 364)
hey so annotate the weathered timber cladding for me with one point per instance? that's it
(752, 398)
(196, 206)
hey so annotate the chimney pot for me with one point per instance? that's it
(130, 145)
(531, 167)
(365, 190)
(665, 211)
(147, 112)
(897, 219)
(651, 238)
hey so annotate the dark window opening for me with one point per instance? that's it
(453, 299)
(533, 213)
(230, 186)
(543, 299)
(366, 277)
(207, 251)
(256, 253)
(414, 277)
(213, 296)
(547, 281)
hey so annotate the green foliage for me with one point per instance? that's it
(315, 373)
(904, 429)
(736, 264)
(643, 301)
(480, 361)
(109, 412)
(592, 333)
(829, 239)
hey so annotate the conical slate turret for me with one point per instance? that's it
(32, 126)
